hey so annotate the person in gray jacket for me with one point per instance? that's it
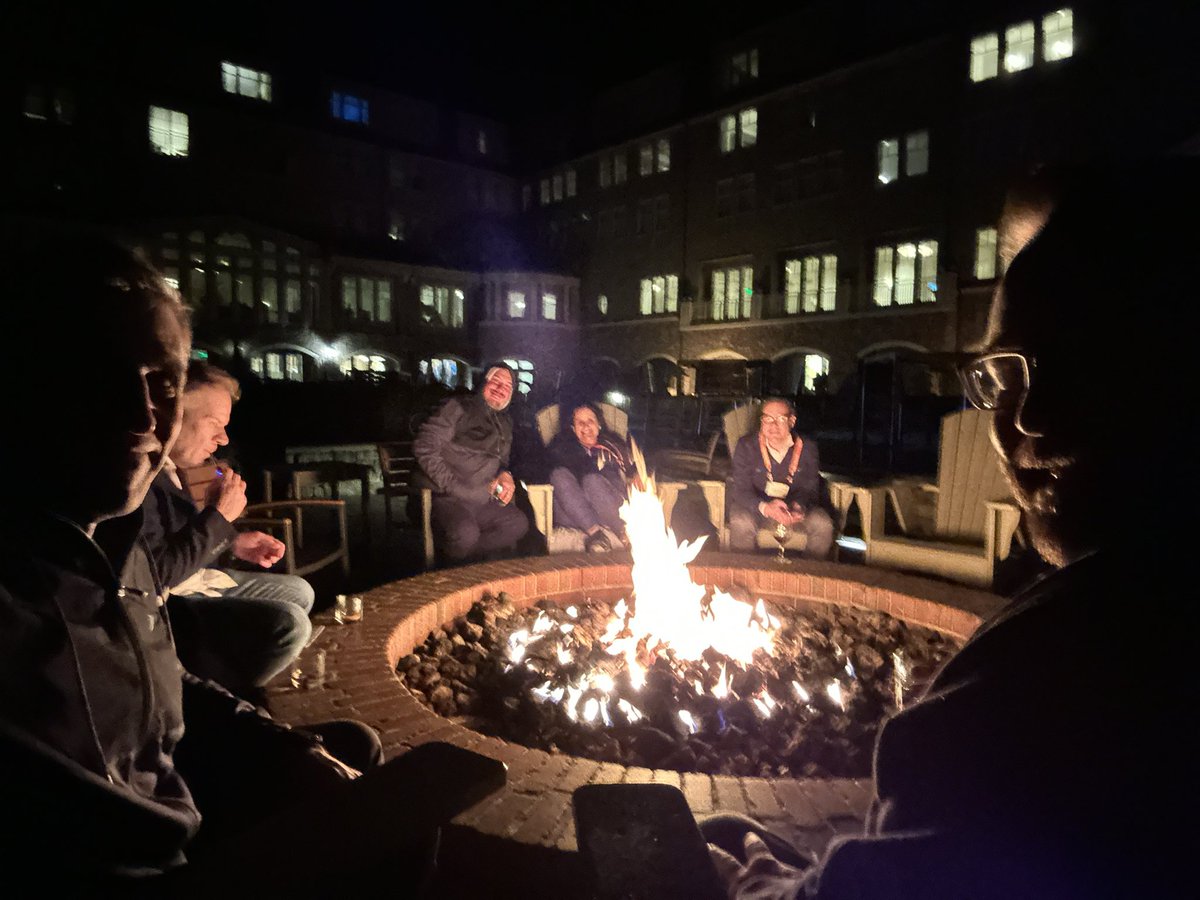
(464, 449)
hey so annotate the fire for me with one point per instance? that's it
(671, 609)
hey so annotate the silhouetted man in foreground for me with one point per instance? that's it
(1055, 756)
(100, 789)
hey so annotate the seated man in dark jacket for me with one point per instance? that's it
(94, 797)
(1054, 756)
(777, 481)
(589, 468)
(238, 628)
(463, 449)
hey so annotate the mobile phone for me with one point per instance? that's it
(642, 843)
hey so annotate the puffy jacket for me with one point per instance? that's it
(463, 447)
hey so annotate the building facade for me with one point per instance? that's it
(817, 191)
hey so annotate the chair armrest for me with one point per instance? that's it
(714, 496)
(872, 505)
(1003, 518)
(255, 508)
(541, 498)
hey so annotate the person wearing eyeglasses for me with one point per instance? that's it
(1054, 755)
(777, 481)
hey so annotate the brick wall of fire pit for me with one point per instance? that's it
(534, 808)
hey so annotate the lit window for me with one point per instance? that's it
(516, 304)
(728, 138)
(662, 155)
(545, 193)
(524, 371)
(602, 304)
(731, 293)
(570, 176)
(256, 366)
(645, 159)
(481, 142)
(294, 366)
(246, 82)
(748, 127)
(275, 366)
(985, 253)
(1019, 42)
(168, 131)
(442, 305)
(659, 294)
(985, 57)
(606, 171)
(620, 170)
(916, 153)
(810, 284)
(889, 160)
(906, 273)
(1058, 38)
(557, 192)
(366, 299)
(816, 369)
(550, 307)
(349, 108)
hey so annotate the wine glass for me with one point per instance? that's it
(780, 533)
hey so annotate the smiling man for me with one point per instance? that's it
(239, 628)
(463, 450)
(1054, 755)
(776, 481)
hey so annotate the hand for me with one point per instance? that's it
(762, 878)
(797, 512)
(227, 492)
(258, 548)
(777, 511)
(507, 487)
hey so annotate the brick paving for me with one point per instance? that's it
(533, 811)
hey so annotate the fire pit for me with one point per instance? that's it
(684, 676)
(534, 809)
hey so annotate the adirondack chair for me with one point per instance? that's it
(970, 518)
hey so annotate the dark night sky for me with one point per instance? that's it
(510, 60)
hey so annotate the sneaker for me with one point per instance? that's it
(597, 542)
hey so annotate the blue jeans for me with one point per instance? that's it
(249, 634)
(590, 501)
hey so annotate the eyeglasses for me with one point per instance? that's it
(997, 381)
(778, 420)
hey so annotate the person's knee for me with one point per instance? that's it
(563, 479)
(516, 525)
(299, 592)
(743, 529)
(818, 527)
(293, 630)
(459, 537)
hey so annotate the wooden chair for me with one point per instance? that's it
(970, 520)
(397, 465)
(267, 517)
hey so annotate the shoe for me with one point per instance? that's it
(597, 542)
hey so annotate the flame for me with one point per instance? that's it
(564, 656)
(516, 645)
(721, 688)
(671, 608)
(603, 682)
(591, 709)
(801, 693)
(572, 612)
(834, 690)
(686, 718)
(631, 712)
(542, 624)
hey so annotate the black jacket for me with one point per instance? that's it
(749, 476)
(181, 539)
(93, 702)
(567, 453)
(463, 447)
(1053, 756)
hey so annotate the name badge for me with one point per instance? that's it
(776, 489)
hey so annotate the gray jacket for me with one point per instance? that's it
(463, 447)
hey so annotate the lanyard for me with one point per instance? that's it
(797, 446)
